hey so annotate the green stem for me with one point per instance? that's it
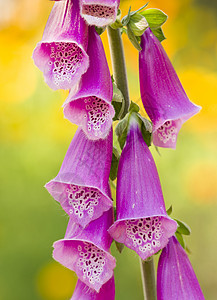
(118, 65)
(148, 279)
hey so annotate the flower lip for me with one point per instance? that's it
(99, 13)
(146, 235)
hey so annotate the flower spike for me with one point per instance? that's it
(99, 13)
(142, 223)
(86, 251)
(61, 55)
(91, 106)
(163, 96)
(175, 276)
(81, 185)
(83, 292)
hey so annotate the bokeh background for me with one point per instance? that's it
(34, 137)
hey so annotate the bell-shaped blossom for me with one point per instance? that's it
(86, 251)
(91, 106)
(99, 13)
(81, 185)
(61, 55)
(163, 96)
(142, 223)
(175, 276)
(83, 292)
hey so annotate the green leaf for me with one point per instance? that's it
(138, 10)
(159, 34)
(121, 131)
(119, 247)
(114, 164)
(117, 24)
(133, 38)
(123, 30)
(170, 210)
(138, 24)
(126, 19)
(146, 129)
(183, 228)
(100, 30)
(134, 107)
(157, 150)
(180, 239)
(117, 102)
(155, 17)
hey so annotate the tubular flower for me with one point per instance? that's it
(175, 276)
(81, 185)
(163, 96)
(86, 251)
(83, 292)
(61, 55)
(142, 223)
(91, 106)
(99, 13)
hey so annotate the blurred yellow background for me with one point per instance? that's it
(34, 137)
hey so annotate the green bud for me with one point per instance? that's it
(138, 24)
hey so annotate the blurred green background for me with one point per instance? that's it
(34, 138)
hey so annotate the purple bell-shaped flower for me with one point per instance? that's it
(61, 55)
(142, 223)
(163, 96)
(81, 185)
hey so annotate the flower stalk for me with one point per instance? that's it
(148, 279)
(119, 65)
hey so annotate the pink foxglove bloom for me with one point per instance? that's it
(163, 96)
(61, 55)
(99, 12)
(175, 276)
(142, 223)
(86, 251)
(81, 185)
(91, 106)
(83, 292)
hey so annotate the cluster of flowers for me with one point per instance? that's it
(71, 56)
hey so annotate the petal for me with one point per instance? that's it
(87, 251)
(61, 55)
(83, 292)
(175, 276)
(162, 94)
(81, 185)
(90, 106)
(142, 223)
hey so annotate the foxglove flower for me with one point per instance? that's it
(61, 55)
(86, 251)
(83, 292)
(91, 106)
(81, 185)
(163, 96)
(142, 223)
(175, 276)
(99, 13)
